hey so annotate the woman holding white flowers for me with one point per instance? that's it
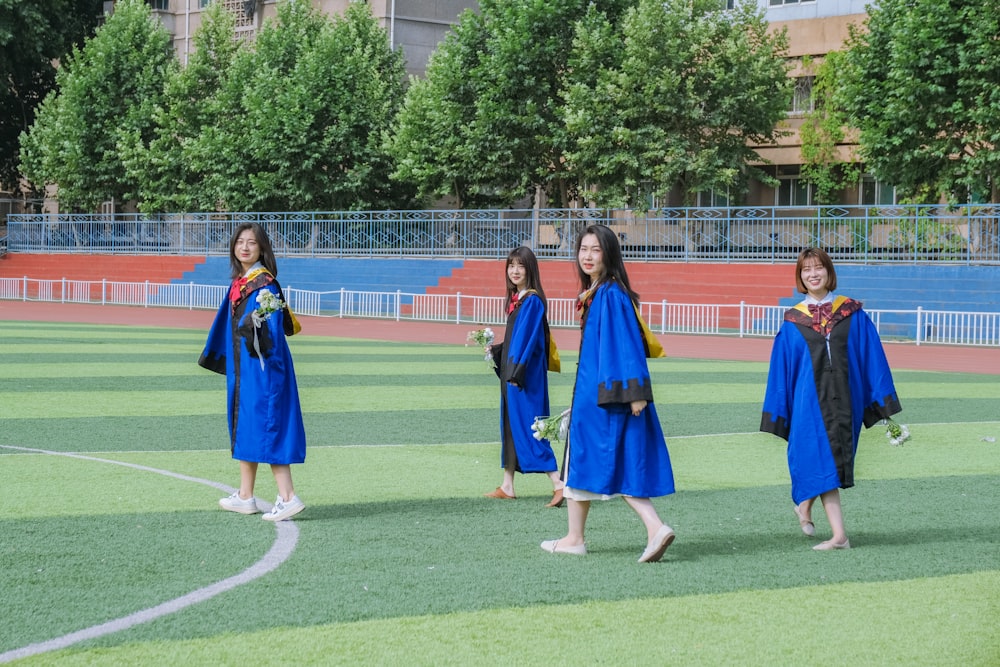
(522, 362)
(828, 376)
(616, 445)
(247, 344)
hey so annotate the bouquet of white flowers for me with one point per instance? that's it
(551, 428)
(897, 434)
(267, 302)
(483, 338)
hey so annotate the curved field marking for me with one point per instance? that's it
(284, 544)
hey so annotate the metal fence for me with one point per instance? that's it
(742, 319)
(965, 234)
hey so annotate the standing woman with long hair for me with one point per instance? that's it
(247, 344)
(828, 376)
(522, 362)
(616, 445)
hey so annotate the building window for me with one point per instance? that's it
(712, 199)
(204, 3)
(793, 190)
(161, 5)
(778, 3)
(876, 193)
(802, 99)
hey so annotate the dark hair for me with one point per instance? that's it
(824, 259)
(614, 265)
(526, 258)
(264, 243)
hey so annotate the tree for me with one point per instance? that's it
(518, 130)
(34, 35)
(170, 176)
(106, 90)
(299, 121)
(823, 129)
(673, 99)
(429, 140)
(922, 85)
(486, 125)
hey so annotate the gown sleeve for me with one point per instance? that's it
(623, 374)
(525, 341)
(777, 410)
(217, 346)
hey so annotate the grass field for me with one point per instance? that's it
(114, 452)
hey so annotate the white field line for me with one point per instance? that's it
(284, 544)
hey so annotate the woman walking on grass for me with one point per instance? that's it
(828, 376)
(615, 445)
(247, 344)
(522, 362)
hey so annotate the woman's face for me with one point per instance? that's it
(591, 257)
(247, 250)
(517, 274)
(814, 277)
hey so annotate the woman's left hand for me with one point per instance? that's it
(637, 407)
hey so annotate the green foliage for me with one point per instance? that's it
(170, 172)
(822, 130)
(34, 35)
(298, 122)
(486, 126)
(430, 139)
(672, 99)
(921, 85)
(106, 90)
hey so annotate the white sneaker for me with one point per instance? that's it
(283, 510)
(234, 503)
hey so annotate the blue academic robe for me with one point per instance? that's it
(610, 451)
(821, 389)
(524, 361)
(265, 418)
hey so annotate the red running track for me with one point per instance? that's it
(901, 355)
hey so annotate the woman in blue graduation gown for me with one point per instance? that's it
(522, 363)
(616, 445)
(828, 377)
(247, 344)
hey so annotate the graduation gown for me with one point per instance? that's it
(524, 360)
(821, 389)
(265, 418)
(610, 451)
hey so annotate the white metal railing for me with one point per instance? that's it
(742, 319)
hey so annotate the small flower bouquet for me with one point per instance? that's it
(897, 434)
(267, 302)
(551, 428)
(483, 338)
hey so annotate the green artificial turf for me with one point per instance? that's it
(400, 557)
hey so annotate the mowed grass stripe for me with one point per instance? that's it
(204, 380)
(687, 631)
(50, 404)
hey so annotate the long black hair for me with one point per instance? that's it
(611, 251)
(526, 258)
(263, 242)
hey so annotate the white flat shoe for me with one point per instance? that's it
(654, 550)
(830, 545)
(808, 527)
(552, 546)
